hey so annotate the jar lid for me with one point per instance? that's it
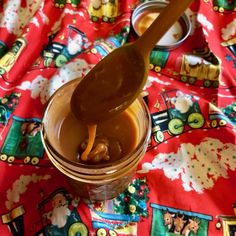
(145, 13)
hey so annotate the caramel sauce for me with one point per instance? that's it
(120, 131)
(100, 98)
(144, 20)
(92, 135)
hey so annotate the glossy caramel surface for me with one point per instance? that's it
(120, 133)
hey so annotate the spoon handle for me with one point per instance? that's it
(168, 16)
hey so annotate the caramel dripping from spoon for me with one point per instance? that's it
(92, 135)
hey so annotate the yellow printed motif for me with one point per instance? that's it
(8, 60)
(107, 10)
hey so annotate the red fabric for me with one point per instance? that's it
(191, 174)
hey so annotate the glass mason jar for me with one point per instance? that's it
(101, 181)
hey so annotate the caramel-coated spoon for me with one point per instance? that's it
(117, 80)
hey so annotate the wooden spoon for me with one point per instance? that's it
(117, 80)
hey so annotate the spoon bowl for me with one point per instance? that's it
(104, 91)
(117, 80)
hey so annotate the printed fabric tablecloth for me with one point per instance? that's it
(186, 182)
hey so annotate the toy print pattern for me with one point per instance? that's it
(183, 185)
(177, 222)
(23, 143)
